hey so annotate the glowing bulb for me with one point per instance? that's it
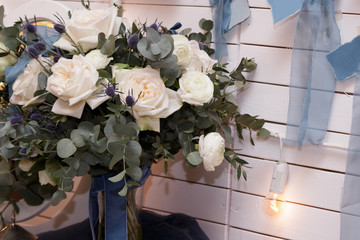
(273, 205)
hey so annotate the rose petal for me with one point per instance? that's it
(63, 108)
(146, 123)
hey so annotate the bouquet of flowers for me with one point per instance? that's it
(95, 95)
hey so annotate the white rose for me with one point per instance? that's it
(212, 149)
(27, 83)
(97, 59)
(84, 26)
(155, 101)
(73, 81)
(6, 61)
(182, 49)
(45, 179)
(196, 88)
(200, 60)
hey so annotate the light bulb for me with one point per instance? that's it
(273, 205)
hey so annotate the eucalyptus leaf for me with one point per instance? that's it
(194, 158)
(57, 197)
(117, 157)
(77, 138)
(123, 191)
(65, 148)
(1, 15)
(155, 49)
(42, 80)
(134, 172)
(118, 177)
(152, 35)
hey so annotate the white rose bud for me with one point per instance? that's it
(45, 179)
(26, 84)
(212, 149)
(182, 49)
(200, 60)
(97, 59)
(196, 88)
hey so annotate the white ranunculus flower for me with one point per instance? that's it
(26, 84)
(154, 100)
(7, 60)
(84, 27)
(196, 88)
(97, 59)
(212, 149)
(200, 60)
(73, 81)
(182, 49)
(45, 179)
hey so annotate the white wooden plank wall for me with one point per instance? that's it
(228, 209)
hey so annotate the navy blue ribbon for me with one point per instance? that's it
(345, 62)
(115, 205)
(312, 83)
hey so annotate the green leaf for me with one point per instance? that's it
(238, 172)
(118, 177)
(4, 167)
(152, 35)
(51, 166)
(194, 158)
(2, 15)
(117, 157)
(31, 197)
(77, 138)
(65, 148)
(134, 172)
(67, 184)
(10, 35)
(57, 197)
(245, 175)
(123, 191)
(263, 133)
(185, 31)
(207, 25)
(258, 124)
(42, 80)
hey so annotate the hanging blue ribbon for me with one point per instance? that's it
(115, 205)
(345, 62)
(312, 83)
(12, 72)
(227, 14)
(282, 9)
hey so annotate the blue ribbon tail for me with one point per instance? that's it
(282, 9)
(312, 83)
(115, 205)
(222, 15)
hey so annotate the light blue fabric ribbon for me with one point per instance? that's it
(115, 205)
(12, 72)
(312, 83)
(345, 62)
(227, 14)
(282, 9)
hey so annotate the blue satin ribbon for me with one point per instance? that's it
(345, 62)
(12, 72)
(227, 14)
(312, 83)
(282, 9)
(115, 205)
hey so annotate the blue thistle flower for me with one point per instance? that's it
(22, 151)
(130, 100)
(60, 28)
(33, 52)
(110, 90)
(38, 117)
(40, 46)
(56, 58)
(30, 28)
(16, 119)
(133, 40)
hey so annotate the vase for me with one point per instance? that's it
(132, 209)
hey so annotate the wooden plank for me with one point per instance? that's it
(271, 102)
(309, 155)
(274, 66)
(196, 200)
(295, 222)
(204, 3)
(188, 16)
(178, 170)
(305, 185)
(235, 233)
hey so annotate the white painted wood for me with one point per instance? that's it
(169, 15)
(296, 222)
(314, 156)
(271, 102)
(196, 200)
(239, 234)
(306, 186)
(170, 3)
